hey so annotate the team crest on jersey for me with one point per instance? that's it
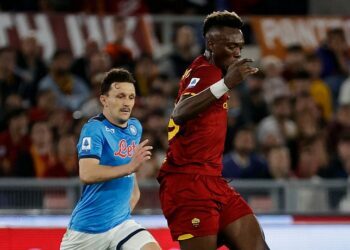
(193, 82)
(86, 143)
(195, 222)
(133, 130)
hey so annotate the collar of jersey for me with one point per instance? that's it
(114, 125)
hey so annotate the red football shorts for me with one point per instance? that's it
(197, 205)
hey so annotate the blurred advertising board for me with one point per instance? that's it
(71, 31)
(274, 34)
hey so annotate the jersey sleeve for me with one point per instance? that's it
(90, 141)
(200, 79)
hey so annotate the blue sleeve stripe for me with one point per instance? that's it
(90, 156)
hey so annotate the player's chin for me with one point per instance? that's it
(124, 116)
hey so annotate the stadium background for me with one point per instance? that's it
(297, 181)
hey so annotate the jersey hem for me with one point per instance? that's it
(90, 156)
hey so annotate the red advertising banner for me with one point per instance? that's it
(274, 34)
(68, 31)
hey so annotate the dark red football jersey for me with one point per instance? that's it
(197, 145)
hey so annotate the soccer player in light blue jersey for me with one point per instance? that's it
(110, 153)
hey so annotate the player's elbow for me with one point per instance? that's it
(86, 177)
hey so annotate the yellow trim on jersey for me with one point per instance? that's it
(185, 237)
(186, 74)
(189, 93)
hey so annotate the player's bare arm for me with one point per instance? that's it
(135, 197)
(190, 106)
(90, 171)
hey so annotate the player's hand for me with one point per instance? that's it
(142, 153)
(238, 71)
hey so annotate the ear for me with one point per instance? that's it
(209, 45)
(103, 100)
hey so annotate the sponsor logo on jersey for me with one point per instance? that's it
(86, 143)
(133, 130)
(125, 150)
(193, 82)
(111, 130)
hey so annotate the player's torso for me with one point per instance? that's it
(104, 205)
(119, 144)
(200, 140)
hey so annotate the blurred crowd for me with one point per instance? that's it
(290, 120)
(181, 7)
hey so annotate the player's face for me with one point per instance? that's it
(118, 102)
(226, 45)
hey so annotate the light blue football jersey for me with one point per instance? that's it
(105, 205)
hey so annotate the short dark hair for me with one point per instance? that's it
(14, 113)
(344, 136)
(337, 31)
(222, 19)
(59, 53)
(294, 48)
(115, 75)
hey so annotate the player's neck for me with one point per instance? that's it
(114, 122)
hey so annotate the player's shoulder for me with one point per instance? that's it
(201, 62)
(202, 66)
(135, 122)
(95, 121)
(134, 126)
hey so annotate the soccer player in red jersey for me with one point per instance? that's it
(202, 210)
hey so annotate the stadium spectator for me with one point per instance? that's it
(45, 106)
(30, 65)
(334, 54)
(319, 89)
(70, 90)
(272, 68)
(312, 156)
(185, 49)
(254, 106)
(340, 124)
(42, 151)
(92, 106)
(279, 162)
(10, 80)
(294, 61)
(277, 128)
(14, 145)
(81, 65)
(146, 71)
(120, 54)
(339, 166)
(310, 198)
(304, 102)
(307, 124)
(67, 161)
(335, 57)
(243, 162)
